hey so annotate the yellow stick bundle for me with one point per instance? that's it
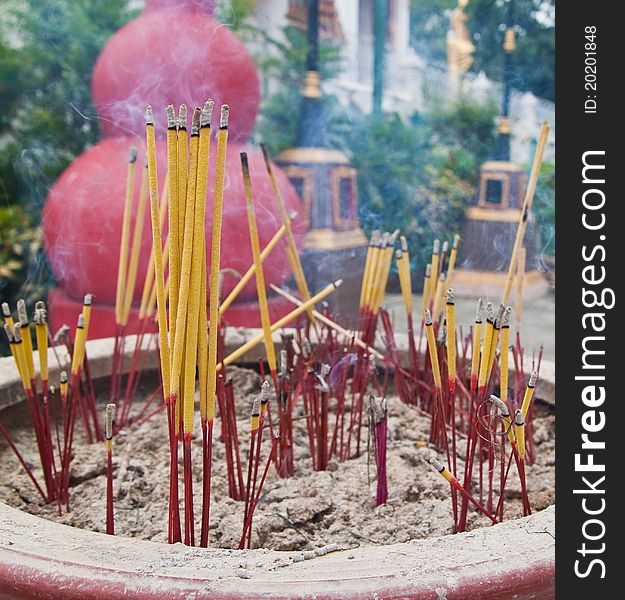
(158, 255)
(376, 259)
(373, 242)
(425, 301)
(403, 270)
(236, 290)
(258, 266)
(385, 267)
(529, 393)
(79, 345)
(123, 244)
(434, 274)
(27, 340)
(495, 340)
(525, 209)
(213, 286)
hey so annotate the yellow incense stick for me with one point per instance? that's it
(425, 301)
(41, 330)
(504, 354)
(350, 335)
(137, 236)
(158, 254)
(525, 210)
(519, 430)
(429, 332)
(450, 315)
(486, 346)
(20, 357)
(495, 341)
(302, 308)
(236, 290)
(79, 346)
(222, 145)
(434, 262)
(451, 266)
(202, 341)
(6, 313)
(438, 293)
(296, 264)
(181, 171)
(529, 393)
(26, 338)
(477, 336)
(123, 244)
(258, 267)
(403, 270)
(148, 282)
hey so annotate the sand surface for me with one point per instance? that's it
(306, 511)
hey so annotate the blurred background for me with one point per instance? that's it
(411, 94)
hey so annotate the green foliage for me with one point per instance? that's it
(284, 61)
(534, 57)
(47, 52)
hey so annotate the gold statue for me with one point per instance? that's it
(459, 46)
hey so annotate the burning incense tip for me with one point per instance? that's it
(244, 164)
(436, 247)
(40, 304)
(149, 119)
(479, 311)
(428, 317)
(533, 379)
(88, 299)
(171, 116)
(81, 321)
(384, 240)
(518, 417)
(428, 270)
(505, 319)
(338, 283)
(40, 316)
(256, 407)
(393, 237)
(223, 117)
(63, 377)
(22, 315)
(398, 254)
(263, 148)
(378, 407)
(499, 317)
(490, 313)
(182, 116)
(501, 405)
(207, 113)
(445, 246)
(404, 243)
(109, 421)
(450, 296)
(456, 242)
(265, 390)
(195, 121)
(6, 311)
(9, 332)
(437, 464)
(17, 333)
